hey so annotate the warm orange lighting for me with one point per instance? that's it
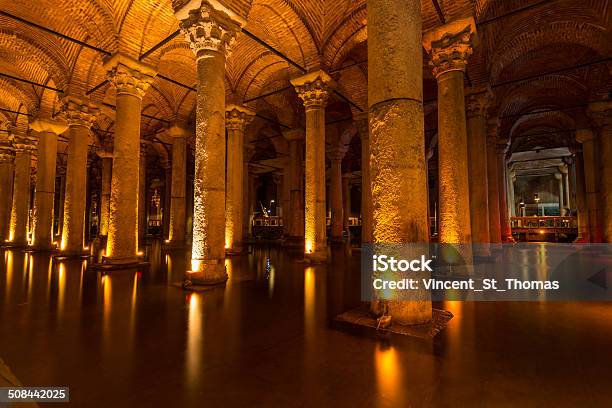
(167, 241)
(541, 231)
(140, 253)
(308, 247)
(195, 265)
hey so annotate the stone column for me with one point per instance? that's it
(107, 171)
(142, 197)
(566, 189)
(176, 232)
(167, 205)
(80, 115)
(236, 119)
(511, 201)
(366, 188)
(44, 197)
(130, 79)
(295, 222)
(312, 88)
(248, 186)
(476, 109)
(7, 172)
(502, 171)
(24, 148)
(210, 29)
(581, 200)
(601, 114)
(591, 182)
(61, 174)
(346, 201)
(492, 183)
(449, 47)
(335, 190)
(559, 178)
(397, 143)
(285, 193)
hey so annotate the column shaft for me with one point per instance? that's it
(478, 180)
(177, 198)
(605, 192)
(107, 171)
(234, 195)
(75, 199)
(296, 187)
(502, 183)
(18, 234)
(44, 197)
(346, 202)
(493, 190)
(208, 252)
(142, 197)
(7, 172)
(314, 217)
(592, 184)
(454, 193)
(337, 212)
(397, 156)
(581, 200)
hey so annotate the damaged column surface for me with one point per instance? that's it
(397, 143)
(312, 88)
(80, 115)
(449, 47)
(176, 232)
(44, 197)
(210, 30)
(130, 79)
(24, 146)
(236, 119)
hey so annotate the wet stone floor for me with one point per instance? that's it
(133, 339)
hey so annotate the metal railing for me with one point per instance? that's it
(543, 223)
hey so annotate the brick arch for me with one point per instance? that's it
(350, 33)
(584, 34)
(48, 55)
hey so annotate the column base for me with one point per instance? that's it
(213, 273)
(236, 250)
(14, 245)
(316, 257)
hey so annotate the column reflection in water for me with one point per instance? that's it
(388, 375)
(107, 294)
(195, 329)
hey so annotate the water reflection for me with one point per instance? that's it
(388, 374)
(195, 327)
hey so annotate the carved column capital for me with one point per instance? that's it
(178, 130)
(41, 125)
(450, 45)
(584, 135)
(208, 26)
(237, 117)
(78, 112)
(477, 101)
(128, 76)
(337, 154)
(313, 89)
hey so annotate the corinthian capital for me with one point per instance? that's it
(313, 88)
(450, 45)
(601, 113)
(237, 117)
(208, 26)
(128, 76)
(24, 143)
(7, 152)
(477, 101)
(78, 112)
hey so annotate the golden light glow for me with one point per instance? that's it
(196, 265)
(309, 304)
(194, 339)
(387, 373)
(140, 253)
(309, 246)
(541, 231)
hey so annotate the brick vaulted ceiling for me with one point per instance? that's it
(517, 39)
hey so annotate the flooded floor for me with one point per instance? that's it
(265, 340)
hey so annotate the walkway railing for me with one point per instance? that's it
(546, 223)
